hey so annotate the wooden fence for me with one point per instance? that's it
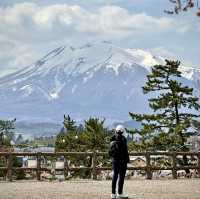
(149, 168)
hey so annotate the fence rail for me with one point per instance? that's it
(148, 168)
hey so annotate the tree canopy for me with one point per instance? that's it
(6, 129)
(90, 136)
(174, 108)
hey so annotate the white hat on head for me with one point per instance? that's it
(120, 128)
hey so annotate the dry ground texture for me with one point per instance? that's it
(137, 189)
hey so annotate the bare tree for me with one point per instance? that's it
(183, 5)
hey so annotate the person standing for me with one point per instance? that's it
(118, 151)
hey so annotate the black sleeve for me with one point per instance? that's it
(109, 150)
(127, 154)
(112, 138)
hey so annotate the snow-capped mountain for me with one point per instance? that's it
(93, 80)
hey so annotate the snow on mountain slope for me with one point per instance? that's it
(97, 79)
(145, 58)
(60, 65)
(75, 61)
(190, 73)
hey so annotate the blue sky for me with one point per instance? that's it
(29, 29)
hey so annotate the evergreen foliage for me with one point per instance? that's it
(67, 139)
(6, 135)
(173, 106)
(69, 124)
(95, 134)
(6, 127)
(89, 137)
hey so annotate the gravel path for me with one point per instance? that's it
(137, 189)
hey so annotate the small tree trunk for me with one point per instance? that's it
(174, 170)
(94, 163)
(185, 160)
(1, 138)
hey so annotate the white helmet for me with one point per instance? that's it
(120, 129)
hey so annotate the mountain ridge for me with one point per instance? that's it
(92, 80)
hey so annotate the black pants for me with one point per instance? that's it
(119, 171)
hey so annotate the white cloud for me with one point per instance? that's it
(163, 52)
(171, 54)
(15, 55)
(26, 28)
(28, 19)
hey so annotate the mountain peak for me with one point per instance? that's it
(96, 79)
(89, 58)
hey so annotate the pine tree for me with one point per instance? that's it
(90, 137)
(66, 140)
(95, 134)
(94, 138)
(6, 127)
(173, 106)
(69, 124)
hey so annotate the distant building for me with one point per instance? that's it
(138, 161)
(40, 149)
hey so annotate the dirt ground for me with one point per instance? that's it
(82, 189)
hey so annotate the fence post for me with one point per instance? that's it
(174, 170)
(9, 167)
(148, 166)
(38, 165)
(66, 167)
(94, 164)
(198, 156)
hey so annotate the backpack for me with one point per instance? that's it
(114, 149)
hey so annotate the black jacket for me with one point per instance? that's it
(123, 155)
